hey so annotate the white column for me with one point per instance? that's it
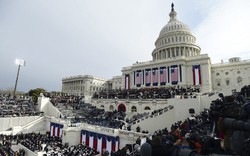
(184, 74)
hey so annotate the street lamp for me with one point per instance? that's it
(20, 63)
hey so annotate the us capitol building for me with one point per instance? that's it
(176, 61)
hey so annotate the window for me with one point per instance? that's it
(173, 55)
(218, 83)
(147, 108)
(217, 74)
(133, 109)
(111, 108)
(238, 72)
(239, 79)
(227, 82)
(226, 73)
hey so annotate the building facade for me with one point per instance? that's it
(176, 61)
(82, 85)
(234, 74)
(87, 85)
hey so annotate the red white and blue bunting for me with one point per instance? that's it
(148, 77)
(56, 129)
(174, 74)
(155, 76)
(163, 75)
(99, 141)
(197, 75)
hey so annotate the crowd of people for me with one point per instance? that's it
(36, 142)
(147, 93)
(195, 133)
(188, 134)
(95, 116)
(203, 134)
(10, 107)
(5, 147)
(136, 117)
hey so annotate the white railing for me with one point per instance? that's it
(30, 124)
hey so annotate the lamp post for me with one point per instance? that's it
(20, 63)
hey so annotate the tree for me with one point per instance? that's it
(35, 93)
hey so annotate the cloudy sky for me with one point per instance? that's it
(61, 38)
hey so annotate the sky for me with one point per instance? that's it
(62, 38)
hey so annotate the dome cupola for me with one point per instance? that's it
(175, 39)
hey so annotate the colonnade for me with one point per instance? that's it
(175, 52)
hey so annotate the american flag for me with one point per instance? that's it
(174, 74)
(155, 75)
(163, 75)
(196, 75)
(148, 76)
(138, 77)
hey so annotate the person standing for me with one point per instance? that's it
(146, 149)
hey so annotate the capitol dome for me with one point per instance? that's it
(174, 26)
(175, 40)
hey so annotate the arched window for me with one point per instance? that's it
(111, 108)
(147, 108)
(102, 107)
(133, 109)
